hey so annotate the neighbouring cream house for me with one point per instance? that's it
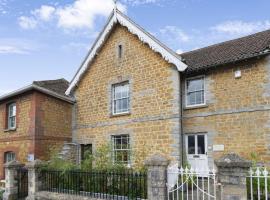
(134, 92)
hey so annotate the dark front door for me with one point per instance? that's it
(86, 150)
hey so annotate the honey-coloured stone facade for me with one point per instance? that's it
(237, 110)
(153, 123)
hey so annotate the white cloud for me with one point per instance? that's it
(3, 7)
(239, 27)
(16, 46)
(44, 12)
(80, 14)
(140, 2)
(27, 22)
(175, 33)
(179, 51)
(6, 49)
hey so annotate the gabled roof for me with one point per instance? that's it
(54, 88)
(59, 86)
(118, 17)
(227, 52)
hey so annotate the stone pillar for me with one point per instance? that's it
(11, 175)
(34, 182)
(232, 172)
(157, 177)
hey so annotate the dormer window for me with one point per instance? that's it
(11, 116)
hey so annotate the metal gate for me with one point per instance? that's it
(258, 184)
(22, 179)
(191, 184)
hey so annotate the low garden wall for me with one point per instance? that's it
(230, 182)
(57, 196)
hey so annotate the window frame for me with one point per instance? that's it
(113, 99)
(114, 150)
(8, 153)
(196, 143)
(186, 91)
(9, 116)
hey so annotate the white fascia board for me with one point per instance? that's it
(169, 55)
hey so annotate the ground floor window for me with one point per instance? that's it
(121, 149)
(9, 156)
(86, 150)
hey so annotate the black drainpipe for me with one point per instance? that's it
(181, 120)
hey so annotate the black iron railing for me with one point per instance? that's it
(105, 185)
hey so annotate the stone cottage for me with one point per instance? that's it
(138, 95)
(34, 121)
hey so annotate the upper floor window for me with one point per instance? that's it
(11, 120)
(9, 156)
(120, 98)
(195, 91)
(121, 149)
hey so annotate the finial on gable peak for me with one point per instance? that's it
(115, 5)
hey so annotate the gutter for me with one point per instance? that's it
(40, 89)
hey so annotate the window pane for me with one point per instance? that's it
(125, 105)
(199, 97)
(201, 144)
(191, 100)
(195, 85)
(118, 106)
(191, 144)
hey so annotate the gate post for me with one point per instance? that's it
(34, 182)
(157, 177)
(232, 173)
(11, 175)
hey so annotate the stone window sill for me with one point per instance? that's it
(120, 114)
(196, 107)
(10, 130)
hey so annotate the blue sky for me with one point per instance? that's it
(48, 39)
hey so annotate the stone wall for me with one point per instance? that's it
(56, 196)
(236, 114)
(153, 122)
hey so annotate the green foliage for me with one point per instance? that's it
(97, 173)
(254, 159)
(101, 160)
(57, 163)
(1, 194)
(255, 183)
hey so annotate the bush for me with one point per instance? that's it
(1, 194)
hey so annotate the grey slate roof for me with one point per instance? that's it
(228, 52)
(59, 86)
(54, 88)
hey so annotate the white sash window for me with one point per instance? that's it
(12, 116)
